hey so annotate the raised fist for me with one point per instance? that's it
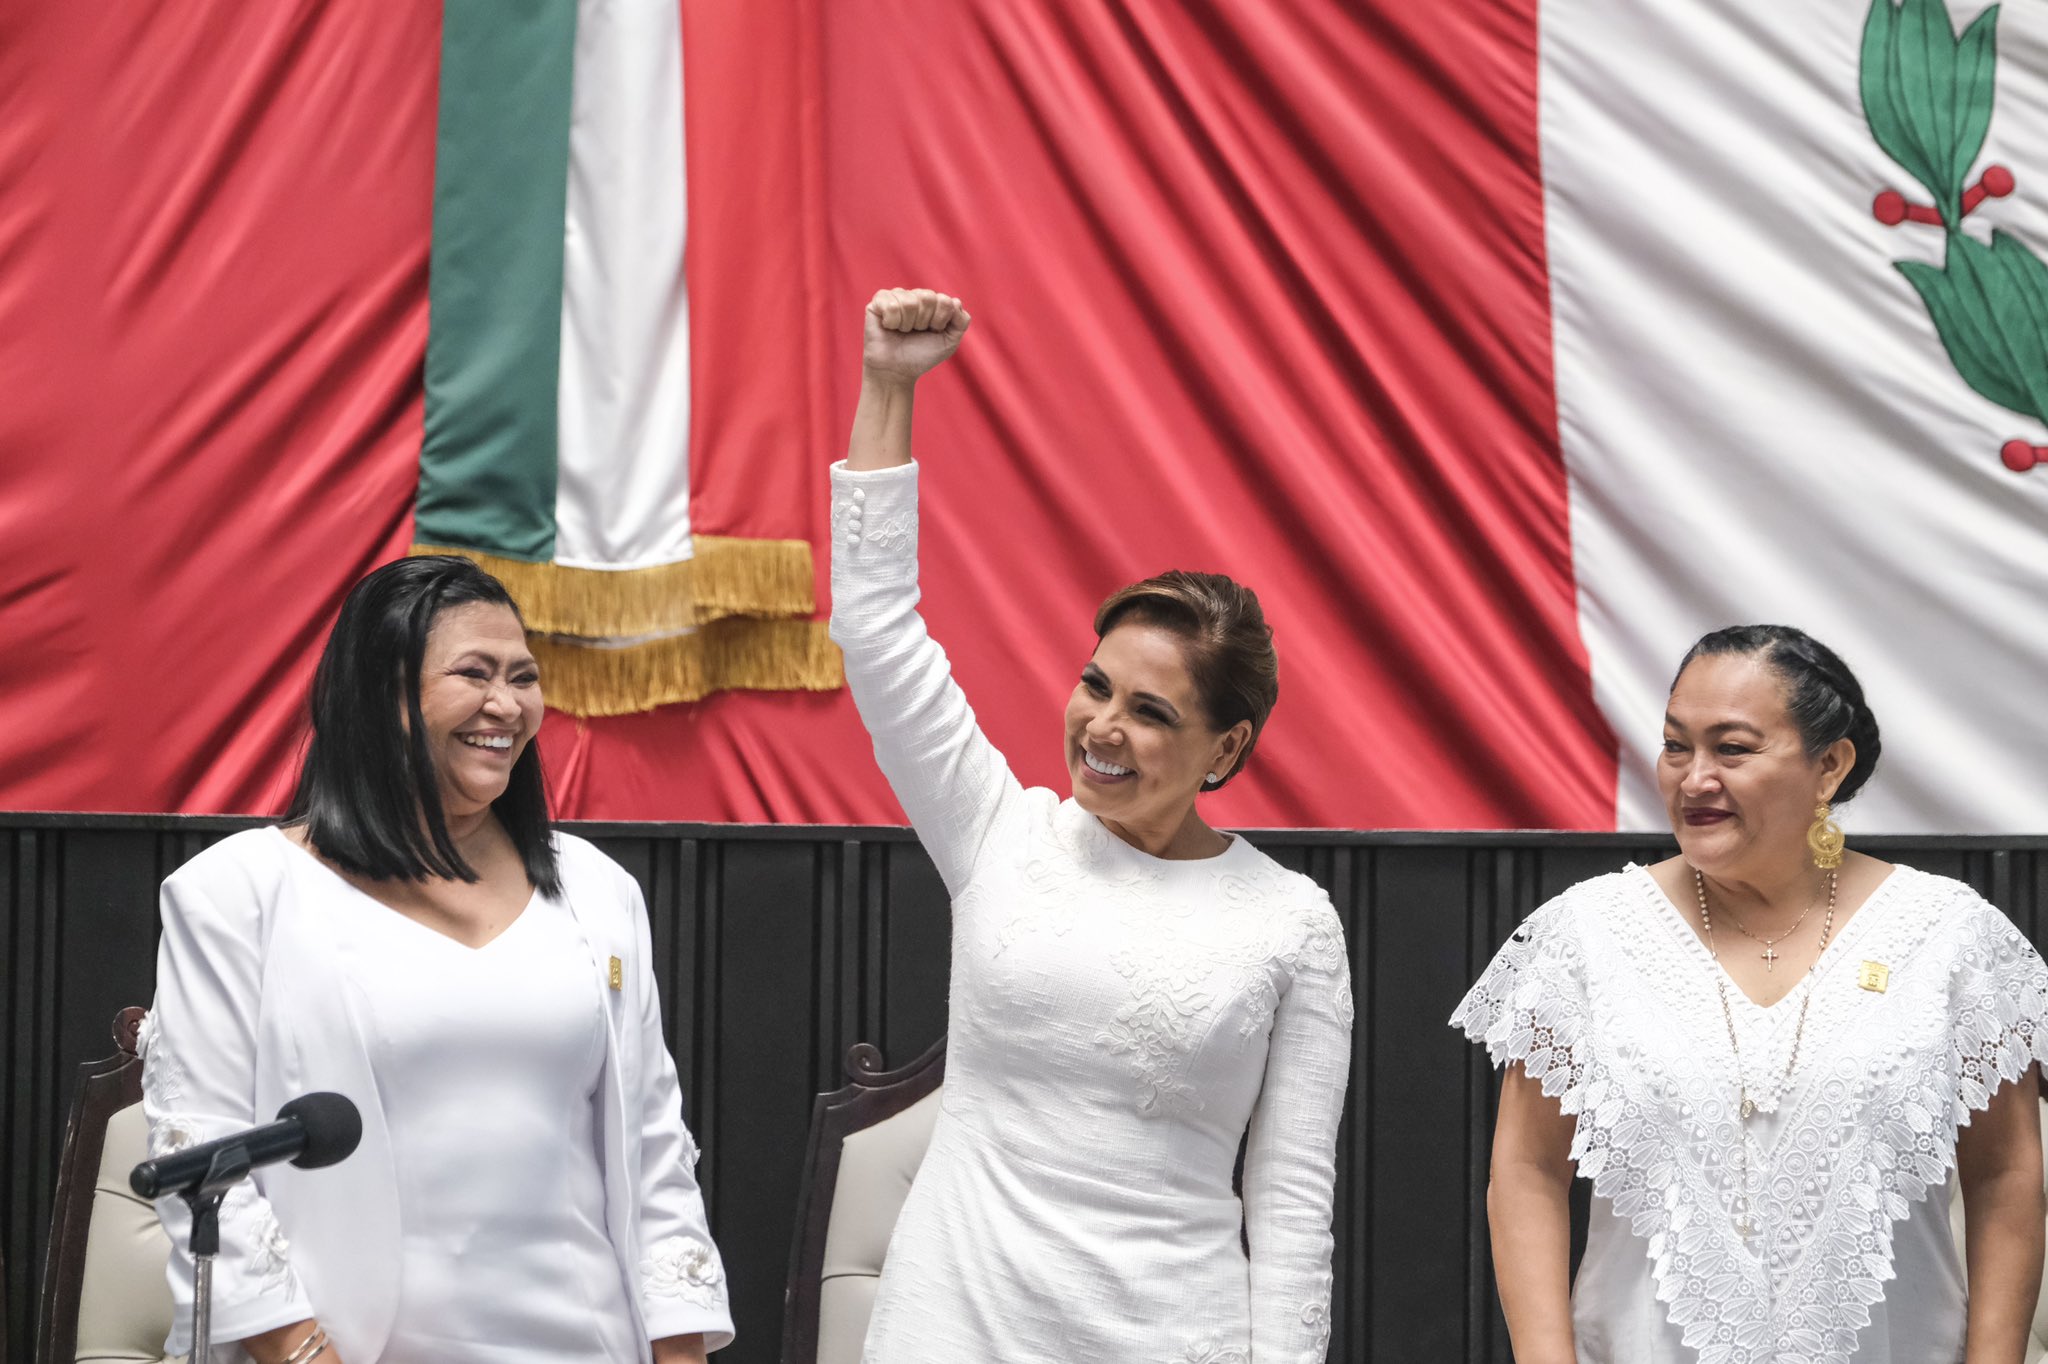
(910, 331)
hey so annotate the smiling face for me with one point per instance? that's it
(480, 697)
(1735, 775)
(1139, 741)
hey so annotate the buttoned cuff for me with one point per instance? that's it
(874, 515)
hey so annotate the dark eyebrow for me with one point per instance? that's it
(522, 660)
(1172, 711)
(1094, 670)
(1724, 727)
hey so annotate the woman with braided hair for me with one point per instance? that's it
(1773, 1058)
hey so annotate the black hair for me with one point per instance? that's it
(1822, 697)
(367, 791)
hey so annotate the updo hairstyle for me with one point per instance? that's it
(1823, 698)
(1228, 645)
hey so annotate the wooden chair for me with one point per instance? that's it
(867, 1141)
(105, 1296)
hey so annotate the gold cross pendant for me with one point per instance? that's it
(1770, 958)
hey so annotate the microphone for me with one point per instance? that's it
(311, 1131)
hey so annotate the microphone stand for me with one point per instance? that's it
(229, 1168)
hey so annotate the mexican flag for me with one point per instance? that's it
(1503, 347)
(1801, 334)
(557, 416)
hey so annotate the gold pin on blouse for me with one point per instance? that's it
(1874, 976)
(618, 974)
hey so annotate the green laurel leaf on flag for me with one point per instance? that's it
(1927, 92)
(1976, 80)
(1966, 335)
(1922, 65)
(2018, 283)
(1884, 107)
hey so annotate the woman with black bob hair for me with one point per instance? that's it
(415, 937)
(369, 760)
(1773, 1155)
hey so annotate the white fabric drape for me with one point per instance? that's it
(623, 477)
(1758, 419)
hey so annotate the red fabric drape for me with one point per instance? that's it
(213, 254)
(1258, 288)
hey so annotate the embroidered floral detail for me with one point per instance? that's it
(1347, 1006)
(1261, 998)
(1322, 946)
(269, 1251)
(163, 1091)
(1163, 1023)
(1209, 1352)
(1868, 1121)
(1200, 967)
(1072, 876)
(691, 1153)
(685, 1267)
(892, 534)
(1316, 1316)
(1322, 949)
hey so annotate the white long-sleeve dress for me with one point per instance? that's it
(1609, 998)
(1118, 1023)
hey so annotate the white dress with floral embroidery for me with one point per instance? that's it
(1608, 996)
(1118, 1024)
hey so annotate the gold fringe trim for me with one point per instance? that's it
(734, 654)
(728, 577)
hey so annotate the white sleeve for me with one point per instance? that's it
(952, 782)
(682, 1278)
(198, 1082)
(1290, 1167)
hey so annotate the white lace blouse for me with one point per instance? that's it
(1609, 998)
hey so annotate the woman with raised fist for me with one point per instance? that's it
(1134, 994)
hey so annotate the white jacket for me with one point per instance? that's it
(252, 1010)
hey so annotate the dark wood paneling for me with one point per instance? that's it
(777, 948)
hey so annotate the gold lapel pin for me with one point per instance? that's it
(618, 975)
(1874, 976)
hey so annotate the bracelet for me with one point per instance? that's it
(311, 1348)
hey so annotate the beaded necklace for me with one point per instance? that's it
(1746, 1105)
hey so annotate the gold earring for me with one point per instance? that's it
(1824, 839)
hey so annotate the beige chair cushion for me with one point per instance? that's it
(2037, 1339)
(124, 1310)
(876, 1165)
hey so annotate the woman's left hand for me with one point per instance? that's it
(679, 1350)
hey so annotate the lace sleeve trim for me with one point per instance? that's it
(1530, 1006)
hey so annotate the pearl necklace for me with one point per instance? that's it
(1746, 1105)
